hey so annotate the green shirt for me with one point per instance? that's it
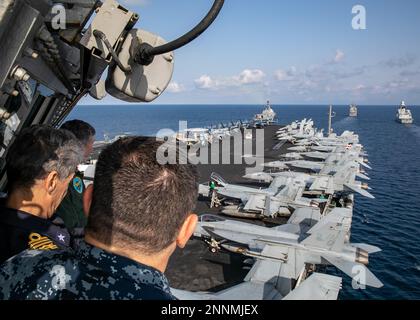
(71, 208)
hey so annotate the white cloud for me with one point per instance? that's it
(175, 87)
(250, 76)
(339, 56)
(286, 75)
(246, 77)
(206, 82)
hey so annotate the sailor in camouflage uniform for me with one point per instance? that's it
(140, 211)
(89, 274)
(39, 164)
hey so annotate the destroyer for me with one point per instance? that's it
(404, 114)
(353, 110)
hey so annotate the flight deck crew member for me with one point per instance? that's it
(140, 212)
(39, 165)
(70, 212)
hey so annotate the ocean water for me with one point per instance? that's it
(391, 221)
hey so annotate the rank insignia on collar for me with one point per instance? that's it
(38, 242)
(61, 237)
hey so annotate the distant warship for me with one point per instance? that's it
(404, 114)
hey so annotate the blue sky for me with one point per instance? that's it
(291, 52)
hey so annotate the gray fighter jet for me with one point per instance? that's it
(264, 281)
(330, 180)
(237, 191)
(283, 196)
(336, 159)
(324, 244)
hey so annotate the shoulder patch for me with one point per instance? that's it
(38, 242)
(78, 184)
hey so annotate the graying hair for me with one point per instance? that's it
(69, 156)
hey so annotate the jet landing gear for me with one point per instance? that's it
(214, 246)
(215, 201)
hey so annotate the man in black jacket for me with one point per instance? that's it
(40, 164)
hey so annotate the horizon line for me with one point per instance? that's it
(241, 104)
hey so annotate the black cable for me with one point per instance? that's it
(102, 36)
(51, 53)
(147, 52)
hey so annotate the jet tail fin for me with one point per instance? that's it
(362, 176)
(358, 272)
(364, 164)
(267, 206)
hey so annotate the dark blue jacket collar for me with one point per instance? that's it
(26, 221)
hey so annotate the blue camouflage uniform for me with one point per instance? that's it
(88, 273)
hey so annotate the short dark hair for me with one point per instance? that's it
(82, 130)
(39, 150)
(138, 201)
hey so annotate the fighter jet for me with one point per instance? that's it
(299, 131)
(324, 244)
(238, 191)
(347, 138)
(283, 196)
(329, 180)
(283, 203)
(332, 159)
(264, 282)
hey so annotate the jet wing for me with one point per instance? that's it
(307, 165)
(323, 183)
(317, 287)
(250, 291)
(262, 202)
(317, 155)
(330, 232)
(255, 202)
(293, 260)
(304, 214)
(301, 221)
(359, 190)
